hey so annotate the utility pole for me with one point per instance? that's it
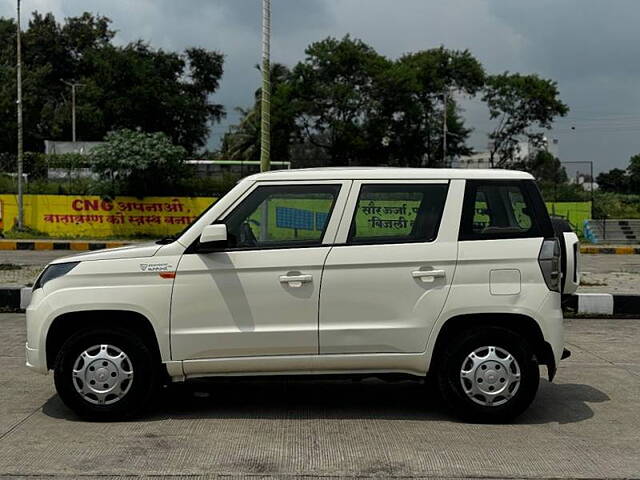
(73, 86)
(265, 143)
(445, 101)
(19, 102)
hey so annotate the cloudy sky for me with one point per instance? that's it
(590, 47)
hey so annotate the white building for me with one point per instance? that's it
(525, 151)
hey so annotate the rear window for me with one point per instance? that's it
(397, 213)
(494, 210)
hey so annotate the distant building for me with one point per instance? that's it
(584, 181)
(525, 151)
(54, 147)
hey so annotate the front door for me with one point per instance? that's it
(385, 286)
(259, 295)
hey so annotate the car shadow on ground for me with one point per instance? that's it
(344, 399)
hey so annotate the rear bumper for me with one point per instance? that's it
(551, 323)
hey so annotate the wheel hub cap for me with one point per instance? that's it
(102, 374)
(490, 376)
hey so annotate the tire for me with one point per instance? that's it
(131, 381)
(465, 381)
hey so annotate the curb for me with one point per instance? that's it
(14, 298)
(591, 249)
(58, 245)
(602, 304)
(17, 298)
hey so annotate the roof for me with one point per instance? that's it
(385, 173)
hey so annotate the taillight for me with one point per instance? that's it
(549, 260)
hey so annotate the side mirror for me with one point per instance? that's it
(212, 237)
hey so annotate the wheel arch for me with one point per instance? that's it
(66, 324)
(518, 323)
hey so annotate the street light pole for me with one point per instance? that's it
(19, 104)
(265, 143)
(73, 86)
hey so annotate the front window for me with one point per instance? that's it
(282, 216)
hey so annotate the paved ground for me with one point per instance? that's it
(601, 273)
(584, 425)
(22, 266)
(610, 274)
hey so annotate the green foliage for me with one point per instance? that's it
(205, 186)
(336, 97)
(414, 100)
(612, 205)
(622, 181)
(634, 174)
(124, 86)
(242, 141)
(519, 102)
(615, 180)
(346, 104)
(564, 192)
(138, 163)
(546, 168)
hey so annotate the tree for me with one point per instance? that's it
(139, 163)
(242, 141)
(519, 102)
(334, 94)
(428, 78)
(131, 86)
(634, 174)
(546, 168)
(615, 181)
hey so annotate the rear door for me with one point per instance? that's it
(385, 282)
(502, 228)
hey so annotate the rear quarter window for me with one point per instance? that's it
(503, 209)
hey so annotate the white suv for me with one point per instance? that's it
(362, 271)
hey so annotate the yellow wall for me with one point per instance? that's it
(90, 216)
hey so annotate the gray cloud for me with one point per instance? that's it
(590, 47)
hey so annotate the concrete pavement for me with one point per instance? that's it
(584, 425)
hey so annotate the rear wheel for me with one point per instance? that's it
(106, 374)
(488, 375)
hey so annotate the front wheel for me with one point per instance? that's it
(106, 374)
(488, 375)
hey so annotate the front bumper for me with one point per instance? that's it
(34, 360)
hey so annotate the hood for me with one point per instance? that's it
(140, 250)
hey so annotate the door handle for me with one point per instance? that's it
(296, 280)
(425, 275)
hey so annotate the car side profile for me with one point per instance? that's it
(455, 274)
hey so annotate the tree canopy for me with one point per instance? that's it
(519, 102)
(137, 162)
(131, 86)
(352, 106)
(618, 180)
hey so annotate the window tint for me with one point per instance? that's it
(497, 210)
(397, 213)
(281, 216)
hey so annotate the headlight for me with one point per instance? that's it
(54, 271)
